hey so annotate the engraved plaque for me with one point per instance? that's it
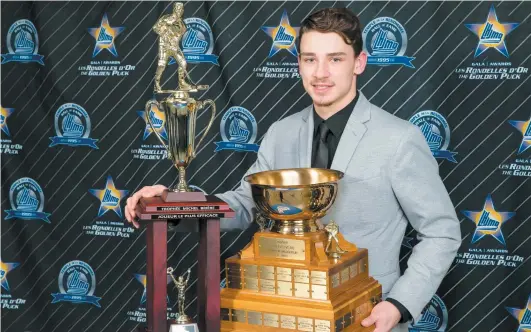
(339, 324)
(287, 322)
(322, 325)
(233, 269)
(250, 270)
(317, 281)
(238, 315)
(301, 275)
(234, 282)
(282, 248)
(319, 274)
(224, 312)
(361, 310)
(348, 319)
(335, 280)
(267, 286)
(271, 320)
(267, 272)
(353, 270)
(284, 288)
(319, 292)
(302, 290)
(305, 324)
(267, 276)
(254, 317)
(345, 275)
(284, 273)
(251, 284)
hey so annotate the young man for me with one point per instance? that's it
(391, 177)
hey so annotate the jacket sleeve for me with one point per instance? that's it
(425, 202)
(240, 200)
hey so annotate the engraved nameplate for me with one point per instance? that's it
(271, 320)
(348, 319)
(284, 288)
(317, 281)
(305, 324)
(322, 325)
(301, 275)
(251, 284)
(319, 274)
(267, 272)
(353, 270)
(318, 277)
(319, 292)
(339, 324)
(345, 275)
(267, 286)
(362, 310)
(302, 290)
(335, 280)
(238, 316)
(287, 322)
(233, 268)
(254, 317)
(250, 270)
(284, 273)
(282, 248)
(234, 282)
(225, 314)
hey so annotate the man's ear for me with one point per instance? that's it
(360, 63)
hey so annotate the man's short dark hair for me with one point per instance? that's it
(339, 20)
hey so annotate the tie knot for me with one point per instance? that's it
(323, 131)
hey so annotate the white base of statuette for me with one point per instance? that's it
(191, 327)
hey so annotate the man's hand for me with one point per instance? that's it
(148, 191)
(384, 316)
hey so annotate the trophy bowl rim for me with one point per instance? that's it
(328, 176)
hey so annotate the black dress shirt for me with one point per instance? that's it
(336, 123)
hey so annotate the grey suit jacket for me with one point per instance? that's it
(391, 178)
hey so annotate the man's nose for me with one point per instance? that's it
(321, 70)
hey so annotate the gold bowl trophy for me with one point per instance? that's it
(295, 274)
(179, 108)
(183, 322)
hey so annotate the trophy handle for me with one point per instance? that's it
(148, 118)
(213, 106)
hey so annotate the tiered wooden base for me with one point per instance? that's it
(288, 283)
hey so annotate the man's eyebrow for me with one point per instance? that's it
(328, 54)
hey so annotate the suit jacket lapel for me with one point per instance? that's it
(306, 138)
(352, 135)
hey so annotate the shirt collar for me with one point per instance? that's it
(337, 122)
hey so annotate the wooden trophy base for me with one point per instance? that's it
(287, 282)
(155, 213)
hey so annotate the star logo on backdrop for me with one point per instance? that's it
(5, 268)
(525, 128)
(488, 221)
(492, 33)
(523, 316)
(141, 278)
(283, 35)
(109, 197)
(4, 114)
(105, 36)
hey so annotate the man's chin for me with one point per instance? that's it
(322, 102)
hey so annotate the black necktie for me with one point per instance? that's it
(321, 151)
